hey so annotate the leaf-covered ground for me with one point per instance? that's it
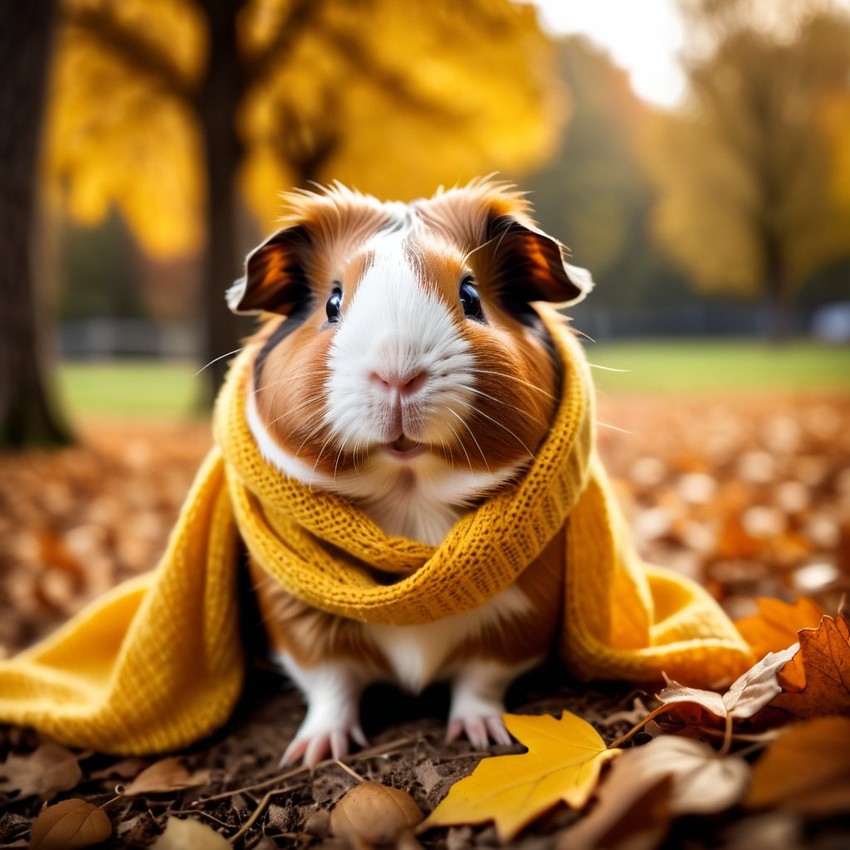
(750, 495)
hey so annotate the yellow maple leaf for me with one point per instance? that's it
(562, 764)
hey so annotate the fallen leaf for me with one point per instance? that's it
(758, 686)
(640, 823)
(189, 834)
(44, 772)
(163, 776)
(777, 623)
(68, 825)
(374, 814)
(807, 769)
(700, 782)
(563, 762)
(816, 681)
(746, 696)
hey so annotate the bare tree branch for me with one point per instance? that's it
(389, 80)
(100, 25)
(301, 15)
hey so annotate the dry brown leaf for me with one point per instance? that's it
(563, 762)
(46, 771)
(163, 776)
(69, 825)
(807, 769)
(189, 834)
(746, 696)
(700, 782)
(817, 680)
(777, 623)
(640, 824)
(374, 814)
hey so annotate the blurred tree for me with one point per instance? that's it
(593, 194)
(160, 105)
(746, 172)
(27, 413)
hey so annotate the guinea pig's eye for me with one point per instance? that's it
(469, 299)
(333, 305)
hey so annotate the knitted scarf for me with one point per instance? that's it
(157, 663)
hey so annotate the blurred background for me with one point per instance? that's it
(694, 155)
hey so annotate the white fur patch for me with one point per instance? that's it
(393, 327)
(418, 654)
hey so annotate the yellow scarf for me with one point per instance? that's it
(157, 663)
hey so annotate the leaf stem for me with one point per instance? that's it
(662, 709)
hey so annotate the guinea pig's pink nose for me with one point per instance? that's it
(406, 384)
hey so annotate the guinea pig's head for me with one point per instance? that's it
(404, 346)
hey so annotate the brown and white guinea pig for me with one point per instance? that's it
(410, 374)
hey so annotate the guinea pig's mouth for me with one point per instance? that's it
(404, 448)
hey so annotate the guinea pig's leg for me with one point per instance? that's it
(332, 690)
(478, 691)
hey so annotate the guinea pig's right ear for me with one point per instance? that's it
(275, 280)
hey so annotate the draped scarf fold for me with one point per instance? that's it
(157, 663)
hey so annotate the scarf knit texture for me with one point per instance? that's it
(157, 663)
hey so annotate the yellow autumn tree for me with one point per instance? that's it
(750, 200)
(170, 110)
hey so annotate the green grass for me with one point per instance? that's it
(134, 389)
(707, 366)
(153, 389)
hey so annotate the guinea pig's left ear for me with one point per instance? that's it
(532, 266)
(275, 280)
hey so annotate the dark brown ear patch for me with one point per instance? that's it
(275, 280)
(532, 266)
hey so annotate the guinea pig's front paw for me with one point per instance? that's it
(313, 746)
(477, 708)
(479, 730)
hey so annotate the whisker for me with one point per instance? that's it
(503, 403)
(607, 368)
(615, 428)
(505, 428)
(460, 442)
(474, 440)
(518, 380)
(216, 359)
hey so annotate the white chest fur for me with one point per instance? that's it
(418, 654)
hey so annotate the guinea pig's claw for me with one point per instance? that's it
(315, 749)
(479, 730)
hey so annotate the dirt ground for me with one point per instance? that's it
(750, 495)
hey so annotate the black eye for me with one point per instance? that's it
(333, 304)
(469, 300)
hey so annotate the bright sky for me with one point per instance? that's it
(642, 36)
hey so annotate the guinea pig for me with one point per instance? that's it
(407, 371)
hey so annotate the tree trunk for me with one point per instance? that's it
(218, 103)
(27, 413)
(777, 309)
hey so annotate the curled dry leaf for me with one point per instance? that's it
(747, 695)
(68, 825)
(807, 769)
(371, 813)
(817, 680)
(189, 834)
(563, 762)
(163, 776)
(640, 823)
(777, 623)
(44, 772)
(700, 782)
